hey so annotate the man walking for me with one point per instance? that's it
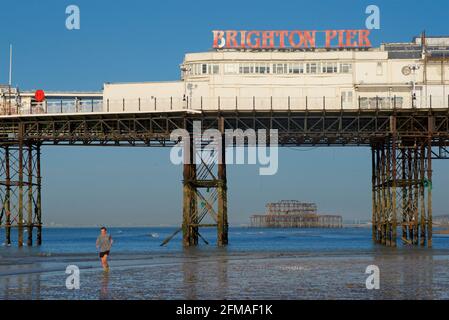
(104, 244)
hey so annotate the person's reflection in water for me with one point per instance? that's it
(104, 291)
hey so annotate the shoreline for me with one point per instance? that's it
(274, 275)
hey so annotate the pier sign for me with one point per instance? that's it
(294, 39)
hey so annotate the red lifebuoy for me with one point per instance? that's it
(39, 95)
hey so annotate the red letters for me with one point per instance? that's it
(281, 35)
(268, 36)
(363, 38)
(228, 39)
(330, 34)
(292, 40)
(309, 39)
(242, 38)
(218, 35)
(248, 39)
(350, 34)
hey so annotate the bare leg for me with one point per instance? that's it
(104, 262)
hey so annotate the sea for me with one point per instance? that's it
(258, 263)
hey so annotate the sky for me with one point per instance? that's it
(127, 41)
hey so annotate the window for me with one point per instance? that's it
(231, 68)
(324, 67)
(329, 67)
(279, 68)
(213, 69)
(246, 68)
(345, 67)
(380, 102)
(196, 69)
(203, 68)
(346, 98)
(312, 67)
(399, 102)
(296, 68)
(262, 68)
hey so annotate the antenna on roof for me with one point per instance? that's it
(10, 65)
(423, 42)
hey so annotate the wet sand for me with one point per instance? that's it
(220, 274)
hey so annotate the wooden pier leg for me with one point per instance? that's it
(222, 215)
(373, 191)
(384, 199)
(410, 195)
(194, 208)
(422, 171)
(379, 195)
(7, 197)
(38, 200)
(416, 196)
(394, 224)
(189, 196)
(429, 193)
(20, 194)
(30, 196)
(388, 196)
(404, 195)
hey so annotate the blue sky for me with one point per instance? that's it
(130, 40)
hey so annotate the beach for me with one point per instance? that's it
(258, 264)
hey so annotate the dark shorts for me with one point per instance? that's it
(102, 254)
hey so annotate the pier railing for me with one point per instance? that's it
(76, 105)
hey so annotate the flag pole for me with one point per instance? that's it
(10, 65)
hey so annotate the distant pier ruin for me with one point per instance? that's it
(294, 214)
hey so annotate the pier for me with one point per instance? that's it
(296, 221)
(295, 214)
(404, 142)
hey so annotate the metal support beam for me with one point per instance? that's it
(20, 188)
(402, 170)
(222, 218)
(429, 192)
(190, 214)
(39, 195)
(20, 191)
(204, 187)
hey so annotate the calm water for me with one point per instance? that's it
(258, 264)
